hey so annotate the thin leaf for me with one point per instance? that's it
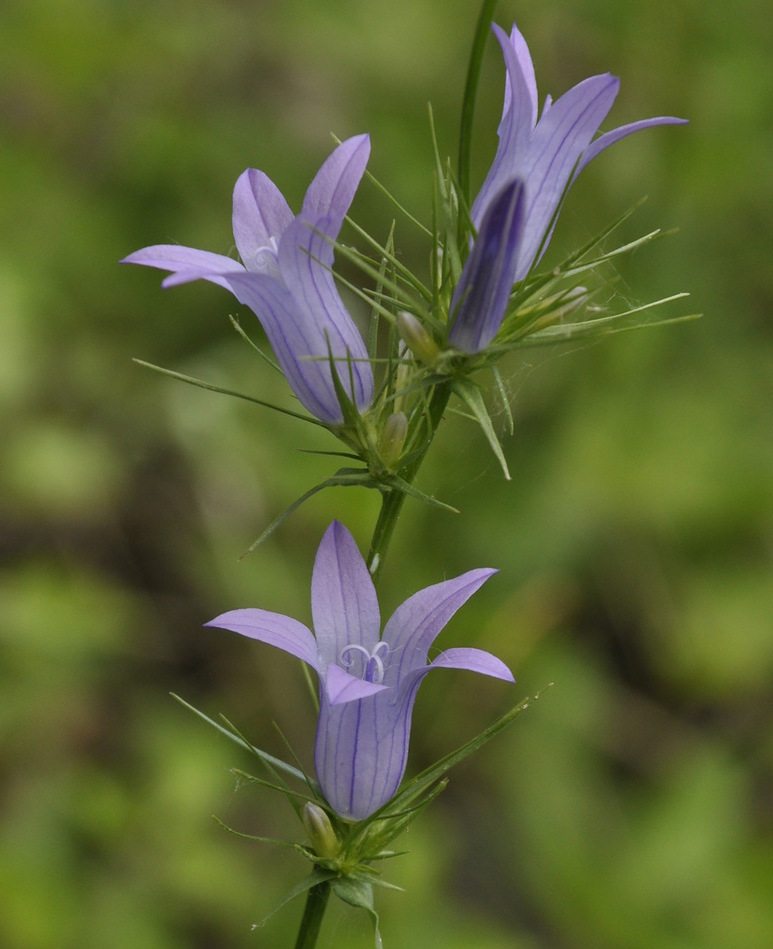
(418, 785)
(237, 395)
(604, 325)
(504, 399)
(264, 356)
(316, 877)
(405, 487)
(338, 480)
(257, 839)
(263, 756)
(472, 397)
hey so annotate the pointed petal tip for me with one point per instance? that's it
(473, 660)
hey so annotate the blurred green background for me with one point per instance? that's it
(632, 806)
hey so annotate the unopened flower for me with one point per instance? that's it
(285, 278)
(320, 830)
(545, 153)
(416, 338)
(368, 683)
(481, 296)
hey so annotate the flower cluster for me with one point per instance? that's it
(286, 275)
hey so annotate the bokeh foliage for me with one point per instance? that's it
(631, 806)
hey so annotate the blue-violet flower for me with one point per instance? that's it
(285, 278)
(548, 153)
(367, 683)
(543, 156)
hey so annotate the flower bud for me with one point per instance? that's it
(320, 830)
(418, 340)
(390, 444)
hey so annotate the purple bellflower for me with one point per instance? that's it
(367, 683)
(537, 160)
(285, 278)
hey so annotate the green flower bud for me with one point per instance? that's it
(320, 830)
(390, 445)
(416, 338)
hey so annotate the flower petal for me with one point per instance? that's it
(274, 629)
(559, 140)
(413, 626)
(344, 605)
(260, 213)
(305, 257)
(481, 296)
(519, 118)
(609, 138)
(361, 750)
(186, 263)
(519, 112)
(547, 154)
(303, 326)
(332, 191)
(528, 79)
(474, 660)
(342, 687)
(273, 305)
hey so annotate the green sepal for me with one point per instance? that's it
(256, 838)
(397, 483)
(266, 759)
(606, 325)
(317, 876)
(359, 893)
(413, 789)
(472, 397)
(210, 387)
(543, 295)
(498, 381)
(344, 477)
(253, 345)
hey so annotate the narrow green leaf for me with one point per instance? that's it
(498, 381)
(263, 756)
(264, 356)
(418, 785)
(472, 397)
(338, 480)
(316, 877)
(405, 487)
(237, 395)
(261, 840)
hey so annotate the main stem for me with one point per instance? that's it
(316, 903)
(392, 502)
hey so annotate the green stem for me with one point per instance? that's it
(470, 90)
(392, 502)
(316, 903)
